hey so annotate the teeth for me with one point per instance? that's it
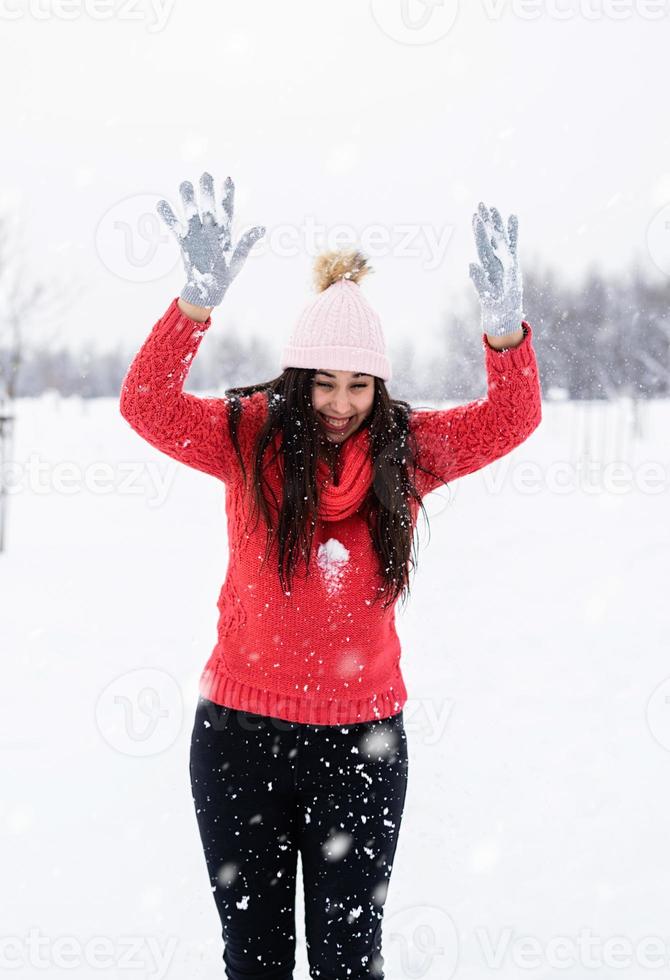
(336, 423)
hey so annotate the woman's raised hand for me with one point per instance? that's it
(498, 279)
(205, 241)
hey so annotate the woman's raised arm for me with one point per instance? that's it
(455, 441)
(190, 429)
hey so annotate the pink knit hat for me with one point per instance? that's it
(339, 330)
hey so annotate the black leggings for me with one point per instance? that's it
(264, 789)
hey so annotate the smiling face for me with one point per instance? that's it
(340, 395)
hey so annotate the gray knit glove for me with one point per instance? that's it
(205, 241)
(498, 278)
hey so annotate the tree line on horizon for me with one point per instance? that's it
(608, 336)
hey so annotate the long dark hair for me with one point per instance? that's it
(388, 503)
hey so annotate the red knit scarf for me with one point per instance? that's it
(334, 503)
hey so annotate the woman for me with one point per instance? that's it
(298, 742)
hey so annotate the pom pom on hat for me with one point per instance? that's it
(340, 264)
(339, 330)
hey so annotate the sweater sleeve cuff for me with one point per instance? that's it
(174, 321)
(520, 356)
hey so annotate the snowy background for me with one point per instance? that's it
(534, 841)
(535, 656)
(331, 117)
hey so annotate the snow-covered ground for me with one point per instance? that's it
(535, 643)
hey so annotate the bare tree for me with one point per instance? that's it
(25, 300)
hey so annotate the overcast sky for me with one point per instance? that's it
(386, 118)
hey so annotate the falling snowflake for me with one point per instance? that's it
(337, 846)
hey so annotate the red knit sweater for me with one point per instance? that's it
(325, 654)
